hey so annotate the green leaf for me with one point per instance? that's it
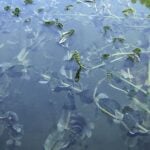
(128, 11)
(58, 24)
(133, 1)
(28, 1)
(119, 39)
(105, 56)
(7, 8)
(137, 51)
(16, 11)
(76, 57)
(148, 16)
(136, 54)
(49, 22)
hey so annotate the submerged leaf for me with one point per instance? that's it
(54, 141)
(86, 96)
(110, 105)
(68, 7)
(39, 10)
(106, 29)
(22, 56)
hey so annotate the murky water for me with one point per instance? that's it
(89, 92)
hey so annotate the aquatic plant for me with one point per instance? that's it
(128, 11)
(7, 8)
(144, 2)
(113, 61)
(28, 1)
(16, 11)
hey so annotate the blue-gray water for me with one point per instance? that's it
(38, 84)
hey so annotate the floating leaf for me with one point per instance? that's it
(133, 1)
(53, 22)
(118, 39)
(49, 22)
(58, 24)
(7, 8)
(64, 37)
(128, 11)
(16, 11)
(135, 56)
(76, 57)
(137, 51)
(105, 56)
(28, 1)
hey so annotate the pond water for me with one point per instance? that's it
(74, 74)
